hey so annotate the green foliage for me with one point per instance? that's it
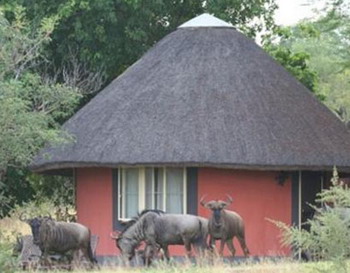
(327, 59)
(325, 48)
(296, 62)
(20, 45)
(15, 189)
(329, 234)
(32, 104)
(44, 207)
(114, 34)
(7, 261)
(59, 189)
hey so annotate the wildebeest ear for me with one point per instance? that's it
(115, 234)
(22, 217)
(201, 201)
(208, 205)
(223, 204)
(229, 199)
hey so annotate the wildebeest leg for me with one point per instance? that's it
(187, 244)
(166, 252)
(231, 247)
(188, 248)
(211, 242)
(76, 257)
(222, 245)
(45, 259)
(149, 253)
(244, 247)
(87, 256)
(146, 255)
(200, 248)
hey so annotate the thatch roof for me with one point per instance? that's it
(204, 96)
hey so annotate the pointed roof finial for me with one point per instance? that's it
(205, 20)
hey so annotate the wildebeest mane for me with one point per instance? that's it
(158, 211)
(127, 225)
(130, 223)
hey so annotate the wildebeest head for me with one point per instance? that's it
(216, 206)
(35, 224)
(125, 245)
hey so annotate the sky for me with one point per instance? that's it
(292, 11)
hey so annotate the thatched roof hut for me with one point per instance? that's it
(205, 95)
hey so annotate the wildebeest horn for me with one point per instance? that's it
(229, 199)
(22, 217)
(201, 201)
(114, 235)
(124, 222)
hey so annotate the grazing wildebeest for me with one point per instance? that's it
(61, 237)
(224, 225)
(159, 230)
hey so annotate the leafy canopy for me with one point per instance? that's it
(113, 34)
(322, 50)
(31, 104)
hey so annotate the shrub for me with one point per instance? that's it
(44, 207)
(7, 261)
(329, 235)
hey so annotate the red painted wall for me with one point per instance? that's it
(94, 205)
(257, 196)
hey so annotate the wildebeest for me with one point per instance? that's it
(60, 237)
(159, 230)
(224, 225)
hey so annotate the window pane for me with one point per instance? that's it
(159, 188)
(131, 192)
(149, 188)
(174, 191)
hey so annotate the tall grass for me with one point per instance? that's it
(283, 266)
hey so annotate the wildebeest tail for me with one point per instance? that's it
(199, 240)
(91, 255)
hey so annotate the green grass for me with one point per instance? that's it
(220, 267)
(12, 226)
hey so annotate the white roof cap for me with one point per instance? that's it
(205, 20)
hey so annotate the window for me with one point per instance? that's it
(151, 188)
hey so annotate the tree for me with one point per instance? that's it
(113, 34)
(31, 104)
(295, 62)
(334, 27)
(323, 45)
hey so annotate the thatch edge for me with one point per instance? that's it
(52, 168)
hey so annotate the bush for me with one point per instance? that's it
(329, 235)
(7, 261)
(44, 207)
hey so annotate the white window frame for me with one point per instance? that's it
(142, 189)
